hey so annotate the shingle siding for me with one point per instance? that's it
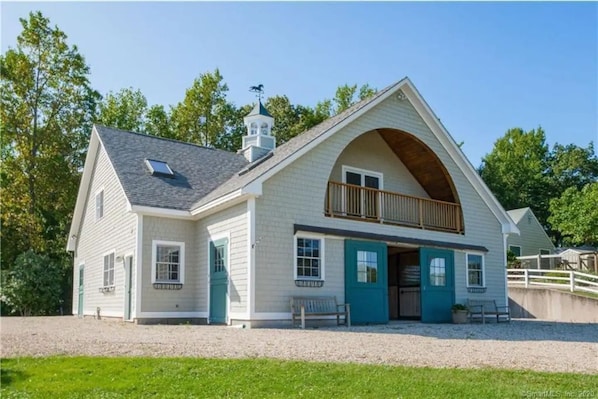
(193, 297)
(166, 300)
(297, 193)
(231, 222)
(115, 231)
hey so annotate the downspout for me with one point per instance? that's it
(504, 252)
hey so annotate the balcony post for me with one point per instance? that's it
(330, 210)
(421, 212)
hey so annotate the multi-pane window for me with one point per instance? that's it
(437, 272)
(264, 129)
(309, 258)
(100, 205)
(475, 270)
(367, 267)
(253, 128)
(109, 270)
(219, 265)
(168, 263)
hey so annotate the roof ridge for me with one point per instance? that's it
(163, 138)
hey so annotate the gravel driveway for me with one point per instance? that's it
(535, 345)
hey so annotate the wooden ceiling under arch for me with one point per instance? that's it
(423, 164)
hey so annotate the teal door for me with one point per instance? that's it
(218, 280)
(81, 285)
(366, 286)
(437, 284)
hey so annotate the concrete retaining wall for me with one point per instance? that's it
(552, 304)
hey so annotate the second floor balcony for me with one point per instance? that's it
(380, 206)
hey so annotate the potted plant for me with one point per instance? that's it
(459, 313)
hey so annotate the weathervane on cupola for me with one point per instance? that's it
(259, 140)
(259, 89)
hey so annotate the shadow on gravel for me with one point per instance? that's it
(516, 330)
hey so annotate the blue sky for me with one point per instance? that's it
(482, 67)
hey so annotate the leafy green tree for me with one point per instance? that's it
(347, 95)
(124, 110)
(204, 112)
(157, 122)
(515, 171)
(571, 166)
(33, 285)
(47, 108)
(575, 214)
(231, 138)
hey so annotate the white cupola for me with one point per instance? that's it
(259, 140)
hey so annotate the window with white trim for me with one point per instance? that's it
(109, 270)
(475, 270)
(253, 128)
(309, 255)
(100, 204)
(515, 249)
(168, 262)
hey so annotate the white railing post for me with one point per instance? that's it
(572, 281)
(526, 278)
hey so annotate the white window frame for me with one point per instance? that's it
(181, 245)
(113, 253)
(481, 255)
(363, 173)
(516, 246)
(296, 237)
(254, 129)
(100, 194)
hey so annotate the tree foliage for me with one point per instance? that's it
(204, 112)
(33, 286)
(522, 171)
(47, 107)
(575, 214)
(515, 171)
(124, 110)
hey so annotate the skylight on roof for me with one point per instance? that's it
(159, 167)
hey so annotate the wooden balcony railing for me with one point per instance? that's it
(372, 205)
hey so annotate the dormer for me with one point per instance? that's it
(259, 140)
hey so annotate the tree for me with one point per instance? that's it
(571, 166)
(203, 114)
(157, 122)
(346, 96)
(575, 214)
(47, 108)
(33, 285)
(124, 110)
(515, 171)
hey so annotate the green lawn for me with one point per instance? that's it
(89, 377)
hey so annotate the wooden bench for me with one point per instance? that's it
(483, 307)
(309, 306)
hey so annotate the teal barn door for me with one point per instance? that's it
(366, 285)
(218, 280)
(437, 284)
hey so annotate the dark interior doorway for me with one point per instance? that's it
(404, 283)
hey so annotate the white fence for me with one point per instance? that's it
(569, 279)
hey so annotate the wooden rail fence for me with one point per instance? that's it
(571, 279)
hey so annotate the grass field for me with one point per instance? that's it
(91, 377)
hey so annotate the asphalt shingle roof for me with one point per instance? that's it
(197, 170)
